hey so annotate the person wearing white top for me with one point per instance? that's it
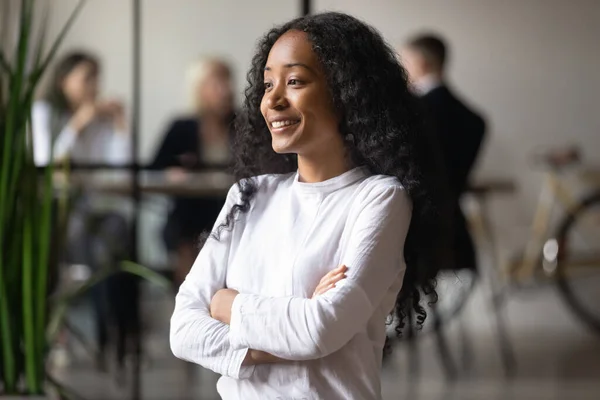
(99, 142)
(335, 222)
(72, 123)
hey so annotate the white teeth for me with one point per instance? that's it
(279, 124)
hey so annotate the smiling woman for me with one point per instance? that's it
(332, 225)
(297, 105)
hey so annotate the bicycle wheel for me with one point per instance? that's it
(577, 260)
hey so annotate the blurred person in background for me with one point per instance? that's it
(200, 141)
(460, 130)
(78, 124)
(73, 123)
(334, 169)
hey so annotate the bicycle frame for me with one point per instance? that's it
(553, 191)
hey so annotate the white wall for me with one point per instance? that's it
(174, 33)
(104, 28)
(178, 32)
(530, 65)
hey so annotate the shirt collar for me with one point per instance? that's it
(426, 84)
(333, 184)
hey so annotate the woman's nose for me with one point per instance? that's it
(276, 98)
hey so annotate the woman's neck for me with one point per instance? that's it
(214, 128)
(73, 106)
(323, 167)
(214, 118)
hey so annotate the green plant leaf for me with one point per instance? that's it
(63, 391)
(146, 273)
(4, 26)
(62, 302)
(39, 72)
(11, 127)
(25, 203)
(4, 64)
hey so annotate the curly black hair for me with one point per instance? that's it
(370, 91)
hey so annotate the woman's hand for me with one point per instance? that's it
(220, 309)
(115, 111)
(329, 280)
(256, 357)
(220, 305)
(90, 110)
(84, 115)
(176, 174)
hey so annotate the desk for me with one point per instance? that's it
(196, 184)
(209, 183)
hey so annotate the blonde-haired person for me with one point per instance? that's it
(198, 141)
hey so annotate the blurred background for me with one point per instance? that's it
(513, 329)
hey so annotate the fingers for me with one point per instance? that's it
(110, 108)
(333, 272)
(329, 281)
(333, 279)
(323, 289)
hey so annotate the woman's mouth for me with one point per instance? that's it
(282, 125)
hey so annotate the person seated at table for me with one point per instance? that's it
(199, 141)
(79, 125)
(73, 123)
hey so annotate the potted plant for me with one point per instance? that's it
(30, 318)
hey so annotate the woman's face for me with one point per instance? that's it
(81, 84)
(297, 105)
(215, 92)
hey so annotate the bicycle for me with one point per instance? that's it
(556, 258)
(454, 288)
(569, 254)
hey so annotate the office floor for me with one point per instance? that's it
(556, 359)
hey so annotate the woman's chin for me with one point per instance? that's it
(282, 148)
(279, 150)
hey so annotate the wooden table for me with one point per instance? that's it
(196, 184)
(210, 183)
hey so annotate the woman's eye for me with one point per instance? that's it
(293, 82)
(268, 85)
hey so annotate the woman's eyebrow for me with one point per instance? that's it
(292, 65)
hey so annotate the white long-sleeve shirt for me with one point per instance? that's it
(293, 234)
(98, 143)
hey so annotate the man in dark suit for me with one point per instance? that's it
(459, 129)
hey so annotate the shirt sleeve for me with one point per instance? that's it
(42, 136)
(119, 147)
(64, 142)
(301, 329)
(195, 336)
